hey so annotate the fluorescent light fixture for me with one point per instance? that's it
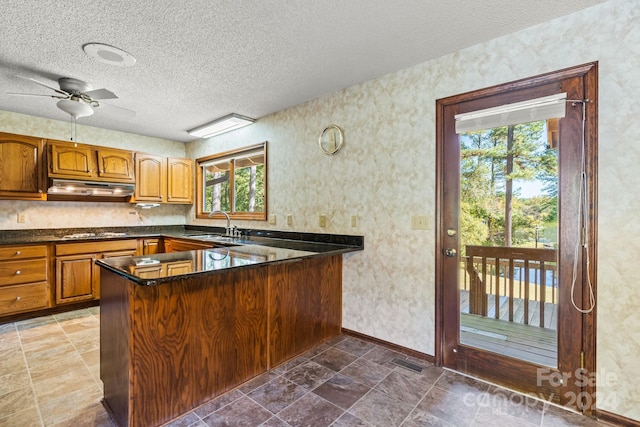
(546, 107)
(221, 125)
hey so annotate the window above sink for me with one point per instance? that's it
(234, 182)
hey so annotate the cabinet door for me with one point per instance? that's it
(179, 180)
(150, 246)
(76, 278)
(179, 267)
(71, 160)
(176, 245)
(115, 164)
(151, 178)
(21, 168)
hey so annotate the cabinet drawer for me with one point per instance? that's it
(10, 253)
(14, 299)
(14, 272)
(96, 247)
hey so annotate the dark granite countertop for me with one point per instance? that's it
(285, 239)
(156, 269)
(254, 247)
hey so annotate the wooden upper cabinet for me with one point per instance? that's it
(164, 180)
(115, 164)
(81, 161)
(151, 178)
(22, 170)
(71, 160)
(179, 180)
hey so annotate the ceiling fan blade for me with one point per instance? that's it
(101, 94)
(112, 109)
(61, 92)
(37, 94)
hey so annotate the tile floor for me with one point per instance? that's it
(50, 376)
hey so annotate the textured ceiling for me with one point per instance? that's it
(200, 59)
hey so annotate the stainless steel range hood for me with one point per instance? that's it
(70, 187)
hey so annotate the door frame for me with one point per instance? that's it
(587, 77)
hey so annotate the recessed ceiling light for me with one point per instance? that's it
(109, 54)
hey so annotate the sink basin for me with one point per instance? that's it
(214, 238)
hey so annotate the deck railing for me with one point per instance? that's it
(497, 272)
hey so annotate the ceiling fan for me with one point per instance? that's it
(76, 97)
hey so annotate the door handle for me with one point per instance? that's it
(450, 252)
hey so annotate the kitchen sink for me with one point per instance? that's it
(215, 238)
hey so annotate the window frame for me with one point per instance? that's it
(230, 155)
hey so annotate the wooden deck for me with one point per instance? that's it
(515, 339)
(551, 310)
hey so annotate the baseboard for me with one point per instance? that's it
(615, 419)
(390, 346)
(48, 311)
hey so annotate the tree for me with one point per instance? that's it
(490, 161)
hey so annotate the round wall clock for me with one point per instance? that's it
(331, 139)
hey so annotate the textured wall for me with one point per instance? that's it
(386, 173)
(87, 214)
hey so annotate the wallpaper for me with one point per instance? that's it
(386, 172)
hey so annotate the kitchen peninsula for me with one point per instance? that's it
(178, 329)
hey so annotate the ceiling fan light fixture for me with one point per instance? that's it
(75, 108)
(219, 126)
(109, 54)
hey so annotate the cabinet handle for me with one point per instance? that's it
(18, 252)
(18, 273)
(18, 298)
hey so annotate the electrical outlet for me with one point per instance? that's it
(272, 219)
(420, 222)
(322, 220)
(354, 220)
(289, 220)
(22, 217)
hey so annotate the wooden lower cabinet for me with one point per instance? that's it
(168, 348)
(150, 246)
(76, 278)
(23, 279)
(77, 275)
(177, 245)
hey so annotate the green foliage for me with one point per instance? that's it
(249, 190)
(483, 184)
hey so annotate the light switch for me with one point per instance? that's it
(272, 219)
(420, 222)
(354, 220)
(22, 217)
(289, 220)
(322, 220)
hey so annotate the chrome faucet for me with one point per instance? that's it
(228, 227)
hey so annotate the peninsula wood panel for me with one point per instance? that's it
(191, 341)
(116, 346)
(305, 305)
(182, 343)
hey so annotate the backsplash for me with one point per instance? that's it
(85, 214)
